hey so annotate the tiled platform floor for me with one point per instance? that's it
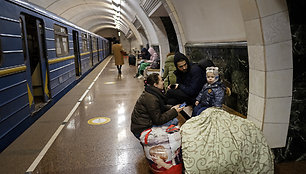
(81, 148)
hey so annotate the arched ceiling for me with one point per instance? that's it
(94, 14)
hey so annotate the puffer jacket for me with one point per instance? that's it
(168, 76)
(211, 95)
(148, 112)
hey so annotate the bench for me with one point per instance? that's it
(183, 116)
(149, 71)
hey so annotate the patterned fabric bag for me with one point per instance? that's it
(162, 148)
(219, 142)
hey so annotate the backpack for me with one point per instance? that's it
(204, 63)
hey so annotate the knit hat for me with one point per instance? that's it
(214, 70)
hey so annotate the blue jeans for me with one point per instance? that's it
(174, 121)
(197, 110)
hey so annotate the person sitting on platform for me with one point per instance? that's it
(145, 55)
(212, 93)
(190, 79)
(145, 63)
(151, 109)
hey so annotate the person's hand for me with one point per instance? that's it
(176, 85)
(177, 108)
(196, 103)
(161, 163)
(171, 86)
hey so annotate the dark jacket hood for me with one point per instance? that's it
(179, 57)
(145, 54)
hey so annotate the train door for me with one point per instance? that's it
(102, 49)
(37, 70)
(91, 51)
(76, 47)
(98, 49)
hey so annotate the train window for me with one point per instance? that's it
(61, 40)
(94, 44)
(84, 42)
(23, 38)
(1, 56)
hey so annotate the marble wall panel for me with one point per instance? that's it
(271, 7)
(232, 60)
(256, 108)
(295, 149)
(276, 28)
(276, 134)
(279, 83)
(254, 32)
(279, 115)
(257, 83)
(279, 56)
(256, 57)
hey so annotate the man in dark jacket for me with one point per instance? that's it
(190, 79)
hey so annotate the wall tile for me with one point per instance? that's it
(249, 9)
(279, 56)
(269, 7)
(279, 83)
(257, 82)
(276, 28)
(253, 32)
(278, 110)
(256, 107)
(275, 134)
(256, 57)
(256, 122)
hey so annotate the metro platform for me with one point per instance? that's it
(80, 147)
(88, 131)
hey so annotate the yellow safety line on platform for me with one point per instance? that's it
(54, 136)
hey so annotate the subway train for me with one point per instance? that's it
(42, 57)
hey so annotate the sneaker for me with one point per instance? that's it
(139, 77)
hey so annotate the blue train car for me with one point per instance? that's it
(42, 56)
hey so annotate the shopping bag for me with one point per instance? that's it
(162, 148)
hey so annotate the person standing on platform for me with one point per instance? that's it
(118, 54)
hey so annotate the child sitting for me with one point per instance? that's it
(212, 93)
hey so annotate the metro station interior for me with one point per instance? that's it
(259, 45)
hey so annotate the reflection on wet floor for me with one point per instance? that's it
(98, 148)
